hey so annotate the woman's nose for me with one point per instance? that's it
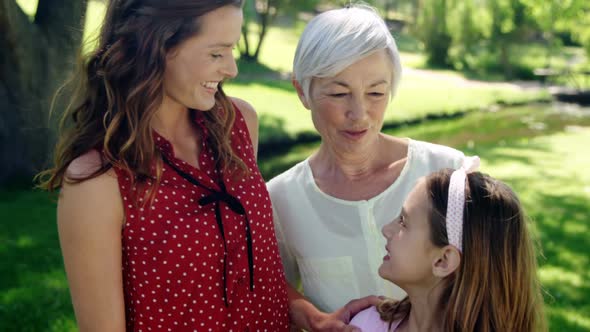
(357, 109)
(230, 69)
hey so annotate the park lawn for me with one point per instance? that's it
(33, 288)
(534, 149)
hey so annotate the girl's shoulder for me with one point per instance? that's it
(370, 320)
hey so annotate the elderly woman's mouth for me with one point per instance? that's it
(355, 134)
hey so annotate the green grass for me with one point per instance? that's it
(33, 289)
(537, 150)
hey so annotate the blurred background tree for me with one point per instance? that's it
(36, 55)
(490, 39)
(259, 15)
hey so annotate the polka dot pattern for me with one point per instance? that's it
(173, 251)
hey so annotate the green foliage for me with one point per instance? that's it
(259, 15)
(581, 30)
(433, 31)
(497, 27)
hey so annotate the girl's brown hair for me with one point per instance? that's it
(118, 88)
(495, 287)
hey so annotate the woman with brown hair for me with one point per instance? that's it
(164, 219)
(462, 252)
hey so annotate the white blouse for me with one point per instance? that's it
(333, 247)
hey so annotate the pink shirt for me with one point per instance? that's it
(369, 320)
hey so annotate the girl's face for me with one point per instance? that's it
(196, 67)
(410, 252)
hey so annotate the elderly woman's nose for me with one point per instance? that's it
(357, 109)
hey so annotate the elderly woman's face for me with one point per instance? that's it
(347, 109)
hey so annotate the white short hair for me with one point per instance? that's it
(337, 38)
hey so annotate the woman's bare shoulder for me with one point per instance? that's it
(248, 112)
(85, 165)
(91, 198)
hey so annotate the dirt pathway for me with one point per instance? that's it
(448, 77)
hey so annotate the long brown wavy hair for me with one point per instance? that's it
(495, 288)
(117, 89)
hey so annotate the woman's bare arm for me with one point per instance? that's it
(251, 119)
(90, 218)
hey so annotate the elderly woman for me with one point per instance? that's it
(329, 209)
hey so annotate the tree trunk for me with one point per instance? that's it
(36, 58)
(505, 59)
(263, 17)
(264, 21)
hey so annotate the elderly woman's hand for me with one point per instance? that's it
(338, 320)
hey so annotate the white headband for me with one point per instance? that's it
(456, 201)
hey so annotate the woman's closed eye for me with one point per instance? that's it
(338, 95)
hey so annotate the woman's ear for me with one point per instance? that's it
(300, 93)
(446, 262)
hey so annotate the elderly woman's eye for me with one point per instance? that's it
(376, 94)
(338, 95)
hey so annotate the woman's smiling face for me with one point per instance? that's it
(196, 67)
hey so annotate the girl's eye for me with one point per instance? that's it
(216, 56)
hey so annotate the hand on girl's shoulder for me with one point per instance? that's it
(369, 320)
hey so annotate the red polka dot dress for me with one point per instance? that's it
(181, 271)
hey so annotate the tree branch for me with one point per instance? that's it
(13, 23)
(61, 20)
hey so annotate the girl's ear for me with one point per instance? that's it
(446, 262)
(300, 93)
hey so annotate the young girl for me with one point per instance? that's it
(462, 252)
(164, 220)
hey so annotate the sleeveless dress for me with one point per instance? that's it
(192, 260)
